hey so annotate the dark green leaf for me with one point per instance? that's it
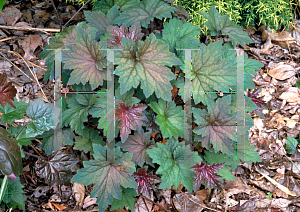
(10, 113)
(85, 141)
(216, 23)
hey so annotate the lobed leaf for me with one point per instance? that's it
(131, 118)
(42, 117)
(175, 160)
(108, 176)
(144, 181)
(145, 63)
(216, 23)
(217, 126)
(137, 144)
(56, 168)
(144, 12)
(169, 118)
(206, 174)
(86, 59)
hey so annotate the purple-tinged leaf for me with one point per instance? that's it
(144, 180)
(257, 100)
(7, 91)
(137, 144)
(131, 117)
(108, 176)
(217, 126)
(10, 155)
(86, 59)
(56, 169)
(206, 174)
(119, 32)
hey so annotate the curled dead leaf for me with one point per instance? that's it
(281, 71)
(290, 96)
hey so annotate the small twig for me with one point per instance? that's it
(36, 151)
(57, 15)
(18, 55)
(27, 153)
(75, 14)
(203, 206)
(16, 66)
(20, 131)
(161, 207)
(34, 75)
(145, 204)
(29, 29)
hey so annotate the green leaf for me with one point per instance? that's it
(22, 138)
(144, 12)
(56, 168)
(216, 23)
(108, 176)
(77, 113)
(10, 155)
(169, 118)
(175, 160)
(127, 199)
(10, 114)
(226, 174)
(85, 141)
(52, 140)
(99, 110)
(105, 5)
(101, 21)
(65, 38)
(178, 35)
(210, 72)
(1, 4)
(217, 126)
(137, 144)
(229, 160)
(291, 145)
(42, 117)
(246, 153)
(14, 195)
(144, 62)
(86, 59)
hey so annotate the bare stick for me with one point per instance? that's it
(29, 29)
(75, 14)
(149, 200)
(57, 15)
(203, 206)
(34, 75)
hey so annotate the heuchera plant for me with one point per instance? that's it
(144, 68)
